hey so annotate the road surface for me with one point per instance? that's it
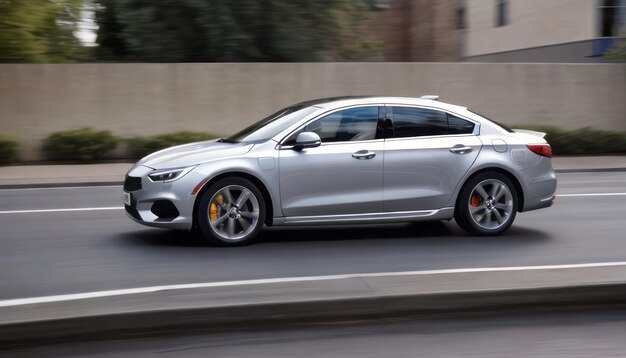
(99, 248)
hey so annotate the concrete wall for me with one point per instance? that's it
(146, 99)
(532, 23)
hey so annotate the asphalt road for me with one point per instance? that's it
(81, 251)
(547, 335)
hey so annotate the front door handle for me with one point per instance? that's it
(363, 154)
(460, 149)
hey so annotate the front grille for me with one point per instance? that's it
(132, 183)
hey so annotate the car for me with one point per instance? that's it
(346, 160)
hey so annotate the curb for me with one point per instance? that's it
(277, 315)
(596, 170)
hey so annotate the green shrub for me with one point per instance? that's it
(139, 147)
(8, 150)
(582, 141)
(83, 144)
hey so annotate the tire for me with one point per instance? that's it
(487, 204)
(231, 212)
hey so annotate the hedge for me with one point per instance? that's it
(8, 150)
(582, 141)
(139, 147)
(83, 144)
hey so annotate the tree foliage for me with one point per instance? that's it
(223, 30)
(40, 31)
(43, 31)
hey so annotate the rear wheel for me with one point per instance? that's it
(231, 212)
(487, 204)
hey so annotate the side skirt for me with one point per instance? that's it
(399, 216)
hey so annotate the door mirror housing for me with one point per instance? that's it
(307, 140)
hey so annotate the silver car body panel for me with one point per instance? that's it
(422, 173)
(407, 179)
(327, 180)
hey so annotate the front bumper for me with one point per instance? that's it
(159, 204)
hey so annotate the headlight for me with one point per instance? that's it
(169, 175)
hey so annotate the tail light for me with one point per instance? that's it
(542, 149)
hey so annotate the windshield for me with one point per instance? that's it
(272, 125)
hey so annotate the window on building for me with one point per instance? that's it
(460, 18)
(612, 17)
(502, 13)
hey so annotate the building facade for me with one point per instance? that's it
(541, 30)
(415, 30)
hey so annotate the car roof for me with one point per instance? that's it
(344, 101)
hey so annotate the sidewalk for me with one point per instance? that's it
(113, 174)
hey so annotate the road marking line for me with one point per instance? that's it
(63, 187)
(60, 210)
(151, 289)
(591, 194)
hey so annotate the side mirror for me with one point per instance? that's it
(307, 140)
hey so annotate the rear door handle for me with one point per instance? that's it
(363, 154)
(460, 149)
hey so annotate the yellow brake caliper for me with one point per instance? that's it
(219, 200)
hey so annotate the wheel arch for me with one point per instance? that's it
(502, 171)
(269, 208)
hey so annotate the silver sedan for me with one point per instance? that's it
(346, 160)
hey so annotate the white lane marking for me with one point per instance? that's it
(59, 210)
(62, 187)
(139, 290)
(591, 194)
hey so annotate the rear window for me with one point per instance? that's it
(458, 125)
(506, 128)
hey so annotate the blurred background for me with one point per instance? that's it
(106, 82)
(70, 31)
(145, 71)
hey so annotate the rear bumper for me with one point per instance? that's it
(540, 186)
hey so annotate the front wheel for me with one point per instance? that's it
(487, 204)
(231, 212)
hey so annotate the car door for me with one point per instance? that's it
(342, 176)
(427, 156)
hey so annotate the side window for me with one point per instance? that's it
(347, 125)
(417, 122)
(458, 125)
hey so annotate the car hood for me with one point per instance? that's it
(193, 153)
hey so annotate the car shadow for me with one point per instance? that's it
(355, 232)
(159, 237)
(423, 232)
